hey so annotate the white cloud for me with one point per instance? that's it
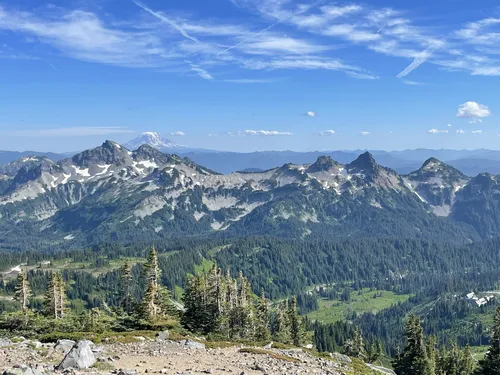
(275, 44)
(247, 80)
(473, 110)
(68, 132)
(460, 131)
(258, 133)
(311, 114)
(297, 36)
(363, 134)
(449, 125)
(477, 132)
(419, 60)
(178, 134)
(212, 135)
(202, 73)
(436, 131)
(167, 20)
(327, 133)
(476, 121)
(411, 83)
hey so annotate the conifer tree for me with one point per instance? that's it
(150, 302)
(355, 347)
(262, 312)
(491, 363)
(281, 325)
(61, 293)
(55, 297)
(126, 279)
(23, 291)
(468, 363)
(414, 359)
(295, 323)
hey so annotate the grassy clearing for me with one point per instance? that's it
(331, 311)
(274, 355)
(205, 266)
(478, 352)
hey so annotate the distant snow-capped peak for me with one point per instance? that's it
(152, 139)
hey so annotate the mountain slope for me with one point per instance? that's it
(111, 193)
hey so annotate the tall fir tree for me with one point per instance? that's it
(414, 359)
(281, 324)
(23, 291)
(262, 311)
(295, 322)
(126, 290)
(61, 292)
(150, 302)
(355, 347)
(55, 297)
(490, 365)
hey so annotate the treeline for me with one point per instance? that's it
(215, 304)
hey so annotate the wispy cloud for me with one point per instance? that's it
(364, 133)
(477, 132)
(258, 133)
(327, 133)
(177, 134)
(460, 131)
(311, 114)
(293, 37)
(162, 17)
(202, 72)
(437, 131)
(68, 132)
(248, 80)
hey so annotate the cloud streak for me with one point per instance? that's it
(68, 132)
(264, 133)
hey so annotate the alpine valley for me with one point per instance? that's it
(111, 193)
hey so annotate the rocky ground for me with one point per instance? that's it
(163, 357)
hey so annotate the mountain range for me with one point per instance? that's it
(110, 193)
(469, 162)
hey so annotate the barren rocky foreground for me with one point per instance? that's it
(163, 357)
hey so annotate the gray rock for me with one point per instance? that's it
(64, 346)
(162, 336)
(5, 342)
(23, 370)
(192, 344)
(79, 357)
(340, 358)
(127, 372)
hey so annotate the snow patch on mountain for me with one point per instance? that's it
(152, 139)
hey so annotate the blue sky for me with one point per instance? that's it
(246, 75)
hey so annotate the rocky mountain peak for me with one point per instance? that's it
(109, 153)
(433, 168)
(364, 163)
(323, 163)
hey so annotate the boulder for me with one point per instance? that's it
(190, 344)
(64, 346)
(5, 342)
(342, 358)
(79, 357)
(269, 346)
(162, 336)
